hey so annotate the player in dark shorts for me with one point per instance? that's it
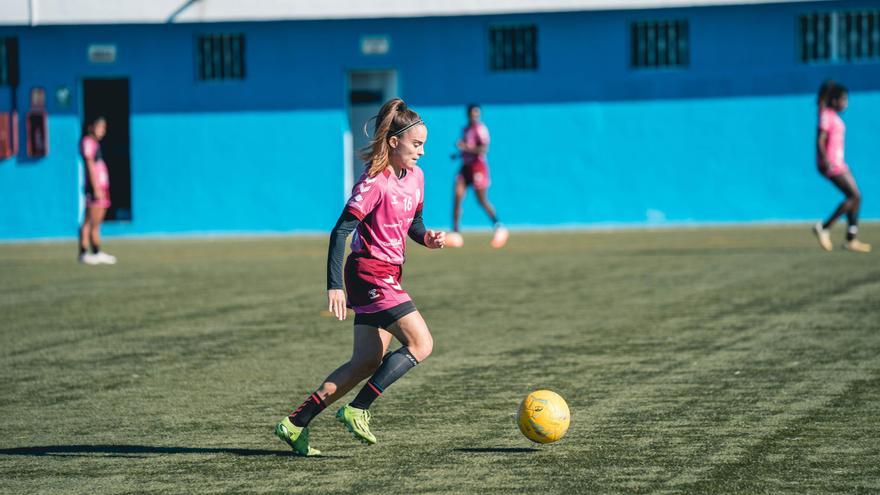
(473, 147)
(385, 207)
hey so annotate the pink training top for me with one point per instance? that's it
(830, 122)
(474, 135)
(91, 150)
(386, 206)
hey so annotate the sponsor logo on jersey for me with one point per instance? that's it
(374, 294)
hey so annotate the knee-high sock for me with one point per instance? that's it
(392, 368)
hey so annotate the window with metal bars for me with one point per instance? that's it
(840, 36)
(660, 44)
(220, 57)
(513, 48)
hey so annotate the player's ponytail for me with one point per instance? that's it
(394, 119)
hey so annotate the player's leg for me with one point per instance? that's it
(841, 182)
(85, 232)
(370, 343)
(823, 230)
(412, 331)
(97, 220)
(499, 237)
(854, 197)
(483, 198)
(454, 239)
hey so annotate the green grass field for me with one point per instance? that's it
(694, 361)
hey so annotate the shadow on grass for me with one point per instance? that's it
(139, 451)
(494, 450)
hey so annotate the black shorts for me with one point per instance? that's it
(386, 317)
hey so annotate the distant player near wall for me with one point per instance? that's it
(97, 191)
(830, 143)
(385, 207)
(473, 147)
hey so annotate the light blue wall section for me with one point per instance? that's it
(243, 171)
(654, 162)
(39, 198)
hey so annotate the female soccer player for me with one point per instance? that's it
(385, 205)
(473, 146)
(97, 191)
(829, 157)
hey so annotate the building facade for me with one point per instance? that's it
(643, 116)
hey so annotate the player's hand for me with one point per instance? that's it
(435, 239)
(336, 300)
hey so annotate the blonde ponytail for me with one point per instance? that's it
(393, 119)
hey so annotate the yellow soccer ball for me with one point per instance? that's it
(544, 416)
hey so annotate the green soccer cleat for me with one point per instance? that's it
(295, 436)
(358, 423)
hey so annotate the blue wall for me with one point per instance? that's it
(583, 140)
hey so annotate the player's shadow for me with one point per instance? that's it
(138, 451)
(498, 450)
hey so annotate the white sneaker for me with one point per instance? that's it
(105, 258)
(823, 236)
(499, 238)
(87, 259)
(857, 246)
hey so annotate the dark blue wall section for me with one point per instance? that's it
(584, 140)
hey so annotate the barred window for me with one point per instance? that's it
(840, 36)
(513, 48)
(8, 61)
(220, 57)
(660, 44)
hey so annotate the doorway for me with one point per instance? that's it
(110, 98)
(367, 91)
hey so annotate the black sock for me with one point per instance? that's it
(393, 367)
(82, 250)
(307, 411)
(851, 232)
(95, 249)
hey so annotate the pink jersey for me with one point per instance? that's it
(91, 150)
(831, 123)
(474, 135)
(385, 205)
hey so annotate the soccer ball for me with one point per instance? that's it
(543, 416)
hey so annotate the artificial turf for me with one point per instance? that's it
(729, 360)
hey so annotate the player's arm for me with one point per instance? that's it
(335, 253)
(428, 238)
(821, 143)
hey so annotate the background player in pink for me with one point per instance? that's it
(97, 189)
(473, 147)
(830, 160)
(385, 207)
